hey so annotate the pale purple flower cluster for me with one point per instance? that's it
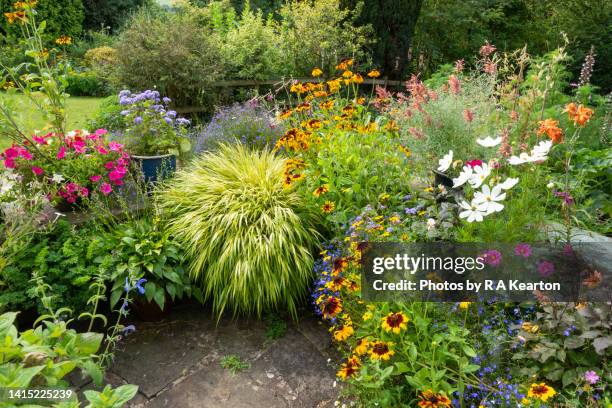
(246, 123)
(149, 103)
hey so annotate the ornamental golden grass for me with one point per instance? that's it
(249, 241)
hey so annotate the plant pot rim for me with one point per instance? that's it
(160, 156)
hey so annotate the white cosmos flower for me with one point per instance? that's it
(445, 161)
(488, 199)
(480, 175)
(471, 212)
(57, 178)
(509, 183)
(542, 148)
(489, 141)
(520, 159)
(464, 176)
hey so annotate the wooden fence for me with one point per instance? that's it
(236, 83)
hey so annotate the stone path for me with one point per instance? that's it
(176, 363)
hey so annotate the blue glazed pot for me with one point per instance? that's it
(155, 168)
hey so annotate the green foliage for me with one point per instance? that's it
(63, 17)
(234, 363)
(66, 260)
(248, 239)
(108, 115)
(276, 327)
(43, 356)
(109, 397)
(85, 83)
(144, 249)
(567, 341)
(110, 13)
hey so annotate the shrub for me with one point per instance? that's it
(318, 33)
(251, 48)
(85, 83)
(249, 240)
(248, 123)
(169, 52)
(101, 56)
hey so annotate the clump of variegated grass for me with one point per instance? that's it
(249, 239)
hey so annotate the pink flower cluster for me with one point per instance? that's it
(109, 162)
(72, 191)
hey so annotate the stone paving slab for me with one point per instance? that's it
(176, 363)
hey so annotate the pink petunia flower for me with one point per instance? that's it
(84, 192)
(39, 139)
(115, 147)
(24, 153)
(106, 189)
(109, 165)
(95, 179)
(102, 150)
(79, 146)
(37, 170)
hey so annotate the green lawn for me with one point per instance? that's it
(78, 111)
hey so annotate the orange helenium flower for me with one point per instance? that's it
(374, 73)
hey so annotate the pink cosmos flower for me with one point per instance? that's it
(523, 250)
(109, 165)
(106, 189)
(39, 139)
(71, 199)
(100, 132)
(95, 179)
(474, 163)
(37, 170)
(84, 192)
(102, 150)
(546, 268)
(492, 257)
(61, 153)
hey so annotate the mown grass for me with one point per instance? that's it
(78, 112)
